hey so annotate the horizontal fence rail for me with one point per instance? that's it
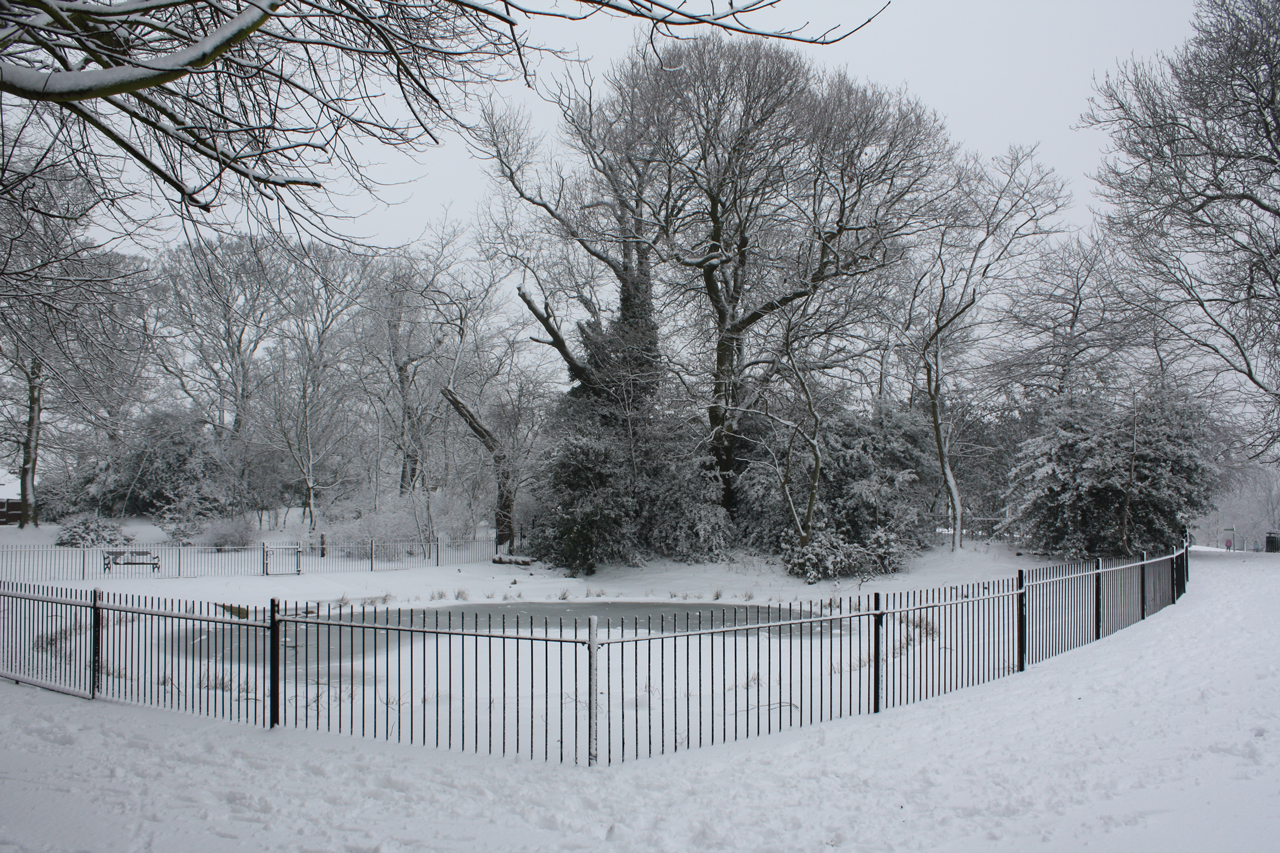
(585, 690)
(48, 563)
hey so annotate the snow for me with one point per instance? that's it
(1165, 736)
(740, 577)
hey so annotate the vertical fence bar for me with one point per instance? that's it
(276, 687)
(875, 655)
(593, 714)
(95, 645)
(1022, 621)
(265, 560)
(1097, 599)
(1142, 588)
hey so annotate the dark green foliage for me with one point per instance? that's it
(876, 480)
(1106, 479)
(828, 555)
(169, 464)
(618, 488)
(878, 474)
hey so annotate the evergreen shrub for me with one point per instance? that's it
(91, 531)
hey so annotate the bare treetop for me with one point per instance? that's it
(246, 98)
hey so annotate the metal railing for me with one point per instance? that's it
(49, 563)
(570, 690)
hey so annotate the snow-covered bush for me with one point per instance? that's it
(1103, 478)
(59, 496)
(182, 531)
(91, 531)
(398, 518)
(874, 484)
(827, 555)
(236, 532)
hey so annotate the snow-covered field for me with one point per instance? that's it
(1164, 737)
(743, 577)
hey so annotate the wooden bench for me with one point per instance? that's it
(130, 558)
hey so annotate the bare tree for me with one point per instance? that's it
(68, 314)
(997, 217)
(311, 412)
(725, 181)
(255, 100)
(1060, 327)
(1195, 180)
(404, 342)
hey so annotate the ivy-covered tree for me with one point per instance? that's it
(1104, 478)
(620, 484)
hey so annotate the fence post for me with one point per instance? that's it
(275, 662)
(83, 570)
(593, 716)
(370, 555)
(297, 559)
(875, 655)
(264, 559)
(1022, 621)
(1097, 600)
(179, 561)
(1183, 563)
(1142, 588)
(95, 646)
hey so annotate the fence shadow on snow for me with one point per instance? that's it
(573, 690)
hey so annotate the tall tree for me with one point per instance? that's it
(997, 216)
(1107, 475)
(68, 315)
(218, 309)
(727, 180)
(312, 396)
(1195, 179)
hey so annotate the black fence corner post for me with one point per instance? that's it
(275, 688)
(875, 655)
(1097, 599)
(1022, 620)
(95, 642)
(1142, 580)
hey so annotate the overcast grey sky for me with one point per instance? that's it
(1001, 72)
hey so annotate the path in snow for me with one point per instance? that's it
(1163, 737)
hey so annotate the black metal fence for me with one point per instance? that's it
(48, 563)
(571, 690)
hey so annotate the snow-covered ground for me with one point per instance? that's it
(744, 577)
(1164, 737)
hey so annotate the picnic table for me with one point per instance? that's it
(113, 558)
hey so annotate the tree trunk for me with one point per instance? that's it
(505, 516)
(933, 381)
(1126, 532)
(31, 447)
(504, 521)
